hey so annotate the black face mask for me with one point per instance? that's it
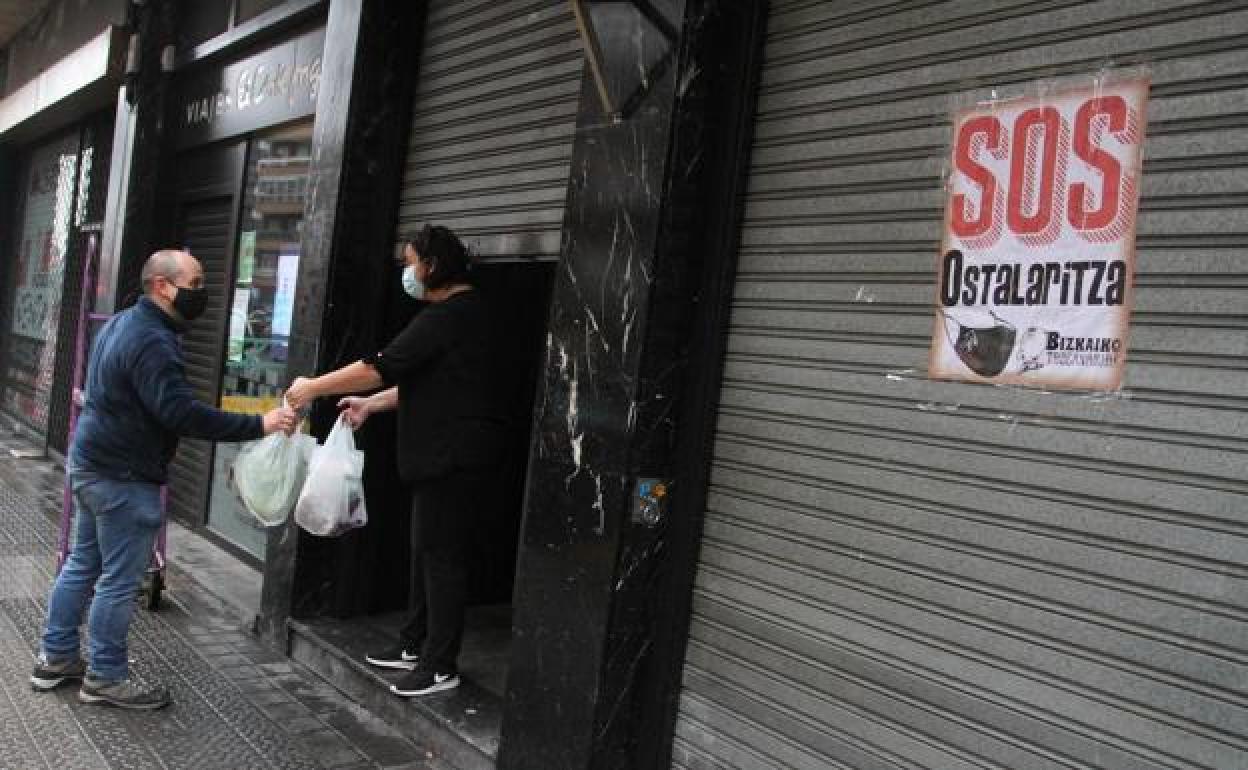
(190, 303)
(984, 349)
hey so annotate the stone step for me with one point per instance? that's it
(460, 726)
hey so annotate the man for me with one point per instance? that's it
(137, 404)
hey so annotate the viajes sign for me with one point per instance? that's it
(272, 87)
(1038, 249)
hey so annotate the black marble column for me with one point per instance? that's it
(136, 219)
(649, 244)
(346, 290)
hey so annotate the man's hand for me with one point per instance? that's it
(301, 392)
(356, 409)
(282, 418)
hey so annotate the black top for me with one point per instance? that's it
(448, 417)
(139, 402)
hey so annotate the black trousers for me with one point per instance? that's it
(444, 514)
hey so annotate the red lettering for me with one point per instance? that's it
(1036, 177)
(1040, 148)
(1087, 149)
(989, 128)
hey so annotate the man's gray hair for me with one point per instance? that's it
(164, 263)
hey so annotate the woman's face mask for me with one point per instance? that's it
(412, 283)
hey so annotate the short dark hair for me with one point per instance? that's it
(449, 260)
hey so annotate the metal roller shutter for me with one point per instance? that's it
(897, 572)
(208, 185)
(492, 128)
(205, 230)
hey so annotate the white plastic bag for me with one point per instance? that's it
(332, 500)
(268, 474)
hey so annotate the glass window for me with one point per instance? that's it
(258, 331)
(37, 277)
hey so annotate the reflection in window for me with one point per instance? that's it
(258, 333)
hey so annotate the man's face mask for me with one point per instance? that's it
(984, 349)
(188, 302)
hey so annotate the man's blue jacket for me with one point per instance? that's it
(138, 401)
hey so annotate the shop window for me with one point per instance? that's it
(37, 276)
(267, 254)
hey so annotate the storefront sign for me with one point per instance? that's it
(1038, 250)
(272, 87)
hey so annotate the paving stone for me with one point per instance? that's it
(254, 686)
(271, 698)
(226, 659)
(281, 712)
(264, 657)
(374, 737)
(236, 703)
(330, 748)
(301, 724)
(240, 673)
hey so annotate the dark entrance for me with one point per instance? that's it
(493, 112)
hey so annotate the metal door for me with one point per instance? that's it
(897, 572)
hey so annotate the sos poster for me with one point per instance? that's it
(1038, 249)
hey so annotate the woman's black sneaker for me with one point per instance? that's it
(123, 694)
(424, 681)
(398, 657)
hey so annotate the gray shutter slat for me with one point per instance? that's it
(492, 128)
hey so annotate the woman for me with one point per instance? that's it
(437, 374)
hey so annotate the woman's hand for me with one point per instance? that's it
(356, 409)
(301, 393)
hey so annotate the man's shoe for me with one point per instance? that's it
(424, 681)
(398, 657)
(123, 694)
(49, 675)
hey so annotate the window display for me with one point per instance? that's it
(261, 302)
(38, 273)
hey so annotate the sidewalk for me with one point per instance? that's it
(237, 704)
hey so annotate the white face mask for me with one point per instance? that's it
(411, 284)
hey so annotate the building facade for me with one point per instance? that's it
(56, 120)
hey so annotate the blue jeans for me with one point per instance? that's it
(117, 522)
